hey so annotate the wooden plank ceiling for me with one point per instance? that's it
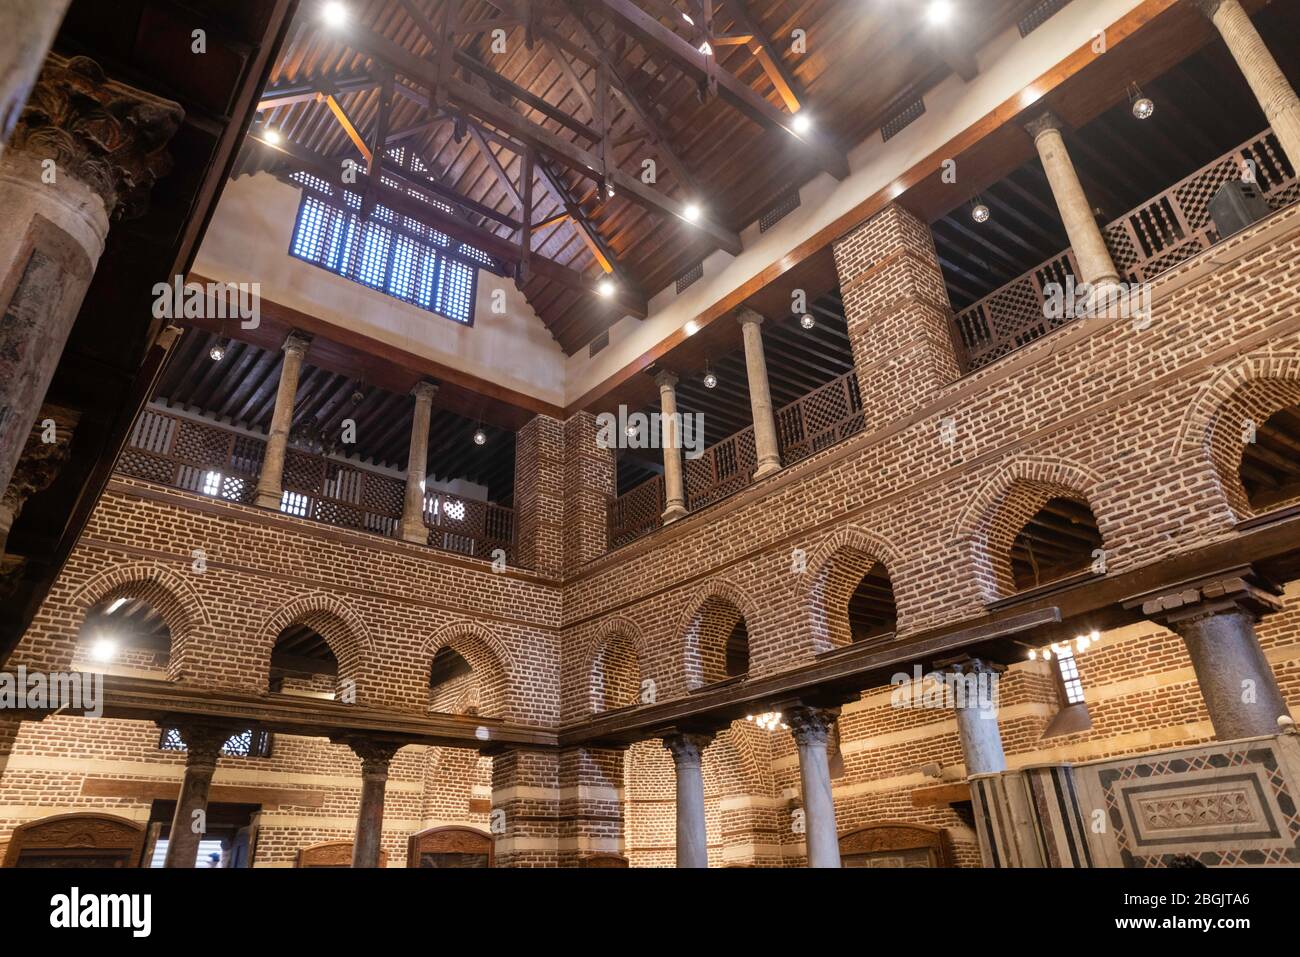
(1203, 109)
(731, 152)
(240, 389)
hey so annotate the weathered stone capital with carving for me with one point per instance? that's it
(375, 756)
(1044, 123)
(687, 749)
(1208, 7)
(110, 136)
(296, 343)
(666, 379)
(972, 666)
(203, 743)
(749, 317)
(425, 391)
(811, 725)
(39, 464)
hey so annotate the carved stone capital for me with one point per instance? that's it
(296, 344)
(110, 136)
(1046, 122)
(971, 666)
(424, 391)
(1208, 7)
(375, 755)
(203, 744)
(687, 749)
(812, 726)
(748, 317)
(666, 379)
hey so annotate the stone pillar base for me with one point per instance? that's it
(673, 512)
(269, 500)
(765, 469)
(416, 534)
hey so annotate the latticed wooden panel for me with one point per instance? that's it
(303, 472)
(383, 495)
(723, 469)
(637, 511)
(339, 513)
(820, 419)
(201, 444)
(153, 468)
(246, 456)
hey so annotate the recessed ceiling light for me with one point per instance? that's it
(939, 12)
(691, 212)
(104, 650)
(605, 287)
(271, 136)
(801, 123)
(334, 13)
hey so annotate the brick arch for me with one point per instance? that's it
(1005, 503)
(704, 627)
(833, 573)
(489, 661)
(334, 621)
(615, 666)
(1249, 389)
(176, 600)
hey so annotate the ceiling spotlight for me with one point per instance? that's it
(691, 212)
(480, 437)
(335, 14)
(807, 321)
(1143, 107)
(1033, 654)
(218, 351)
(710, 380)
(939, 12)
(980, 213)
(801, 123)
(103, 650)
(271, 136)
(605, 287)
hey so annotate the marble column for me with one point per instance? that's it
(85, 150)
(27, 29)
(1096, 268)
(38, 466)
(375, 757)
(670, 439)
(977, 716)
(1236, 680)
(692, 836)
(269, 483)
(766, 448)
(413, 527)
(811, 728)
(1276, 96)
(203, 745)
(1216, 620)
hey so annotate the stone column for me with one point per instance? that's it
(85, 150)
(977, 716)
(766, 447)
(692, 836)
(413, 527)
(38, 465)
(269, 483)
(1216, 620)
(27, 29)
(203, 745)
(811, 728)
(1276, 96)
(670, 439)
(1096, 268)
(375, 757)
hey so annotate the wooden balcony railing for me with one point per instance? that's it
(1161, 233)
(811, 423)
(198, 457)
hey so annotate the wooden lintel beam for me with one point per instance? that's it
(654, 35)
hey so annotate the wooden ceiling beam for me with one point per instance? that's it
(345, 121)
(283, 94)
(698, 66)
(787, 87)
(507, 120)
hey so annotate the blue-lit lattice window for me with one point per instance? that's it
(392, 253)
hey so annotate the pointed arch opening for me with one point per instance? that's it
(302, 662)
(717, 642)
(1059, 540)
(614, 679)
